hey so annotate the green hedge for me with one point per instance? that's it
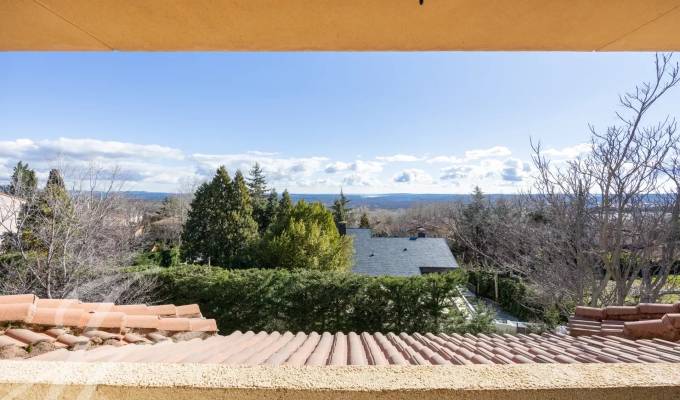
(302, 300)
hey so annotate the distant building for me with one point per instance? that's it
(9, 211)
(400, 256)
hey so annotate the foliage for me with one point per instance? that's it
(161, 255)
(364, 223)
(513, 296)
(341, 209)
(220, 228)
(306, 237)
(24, 182)
(73, 243)
(257, 188)
(305, 300)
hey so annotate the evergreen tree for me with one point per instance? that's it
(48, 213)
(24, 182)
(474, 227)
(364, 222)
(201, 229)
(283, 211)
(220, 228)
(271, 209)
(340, 208)
(257, 187)
(243, 230)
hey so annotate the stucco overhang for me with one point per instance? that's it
(583, 25)
(91, 381)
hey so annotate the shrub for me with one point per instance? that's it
(513, 296)
(307, 300)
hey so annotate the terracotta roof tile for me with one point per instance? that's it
(53, 324)
(55, 303)
(142, 321)
(57, 316)
(174, 324)
(133, 309)
(163, 310)
(23, 312)
(106, 319)
(644, 321)
(29, 337)
(17, 298)
(189, 310)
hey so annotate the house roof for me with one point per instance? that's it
(645, 320)
(398, 256)
(30, 326)
(339, 349)
(70, 330)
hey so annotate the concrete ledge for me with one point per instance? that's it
(83, 381)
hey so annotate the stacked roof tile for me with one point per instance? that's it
(644, 321)
(30, 326)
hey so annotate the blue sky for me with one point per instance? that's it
(367, 122)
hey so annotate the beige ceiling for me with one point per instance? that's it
(583, 25)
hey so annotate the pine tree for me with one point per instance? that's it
(364, 223)
(271, 209)
(220, 228)
(257, 187)
(340, 208)
(243, 232)
(475, 225)
(24, 182)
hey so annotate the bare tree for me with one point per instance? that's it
(603, 203)
(74, 242)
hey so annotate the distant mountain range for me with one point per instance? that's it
(386, 201)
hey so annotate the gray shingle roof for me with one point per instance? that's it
(398, 256)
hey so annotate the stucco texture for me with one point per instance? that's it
(84, 381)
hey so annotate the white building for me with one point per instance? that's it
(9, 211)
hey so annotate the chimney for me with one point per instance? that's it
(421, 232)
(342, 228)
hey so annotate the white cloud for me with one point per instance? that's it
(472, 155)
(413, 175)
(496, 151)
(399, 158)
(359, 166)
(569, 152)
(444, 160)
(455, 172)
(277, 167)
(515, 170)
(84, 149)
